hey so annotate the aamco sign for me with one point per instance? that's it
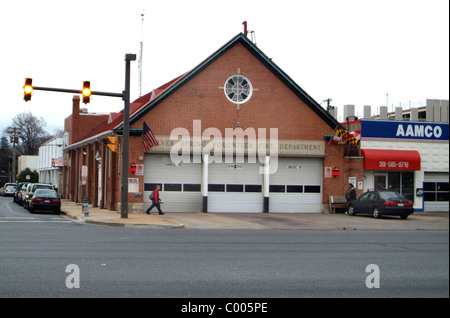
(422, 131)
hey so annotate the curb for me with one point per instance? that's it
(139, 225)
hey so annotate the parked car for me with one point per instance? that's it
(8, 190)
(29, 192)
(2, 189)
(381, 202)
(45, 200)
(17, 192)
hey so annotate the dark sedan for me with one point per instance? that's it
(381, 202)
(45, 200)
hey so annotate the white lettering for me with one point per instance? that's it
(400, 131)
(73, 280)
(418, 130)
(409, 131)
(198, 308)
(237, 144)
(373, 280)
(428, 131)
(437, 131)
(182, 145)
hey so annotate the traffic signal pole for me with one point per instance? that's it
(126, 137)
(75, 91)
(125, 95)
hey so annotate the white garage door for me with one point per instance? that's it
(235, 187)
(180, 184)
(297, 185)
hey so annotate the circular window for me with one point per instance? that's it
(238, 89)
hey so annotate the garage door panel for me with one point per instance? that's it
(179, 202)
(240, 187)
(289, 203)
(296, 186)
(235, 202)
(180, 183)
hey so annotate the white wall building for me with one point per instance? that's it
(51, 161)
(31, 162)
(411, 157)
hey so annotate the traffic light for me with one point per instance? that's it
(86, 92)
(112, 143)
(27, 89)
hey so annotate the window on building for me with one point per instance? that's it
(436, 191)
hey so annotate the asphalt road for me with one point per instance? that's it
(37, 258)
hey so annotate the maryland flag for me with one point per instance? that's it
(342, 136)
(353, 137)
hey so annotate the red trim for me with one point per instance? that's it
(375, 159)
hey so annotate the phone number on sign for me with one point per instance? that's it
(393, 164)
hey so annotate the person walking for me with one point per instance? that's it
(155, 201)
(350, 195)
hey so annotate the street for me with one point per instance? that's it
(43, 255)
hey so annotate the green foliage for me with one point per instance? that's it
(34, 176)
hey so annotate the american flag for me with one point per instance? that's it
(148, 139)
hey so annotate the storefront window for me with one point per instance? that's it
(401, 182)
(436, 191)
(394, 181)
(408, 185)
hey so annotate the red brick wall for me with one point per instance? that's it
(273, 105)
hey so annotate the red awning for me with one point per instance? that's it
(379, 159)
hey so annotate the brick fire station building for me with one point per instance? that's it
(239, 88)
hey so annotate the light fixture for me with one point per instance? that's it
(335, 172)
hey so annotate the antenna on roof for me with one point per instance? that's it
(252, 33)
(141, 51)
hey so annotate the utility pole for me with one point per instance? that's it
(328, 104)
(12, 131)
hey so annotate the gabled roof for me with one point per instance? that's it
(115, 120)
(240, 38)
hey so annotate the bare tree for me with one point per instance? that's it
(30, 130)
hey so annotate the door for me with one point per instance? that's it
(235, 187)
(380, 182)
(296, 186)
(180, 183)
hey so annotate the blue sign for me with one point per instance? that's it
(381, 129)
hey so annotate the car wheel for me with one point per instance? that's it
(351, 210)
(404, 216)
(376, 214)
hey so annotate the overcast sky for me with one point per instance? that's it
(353, 51)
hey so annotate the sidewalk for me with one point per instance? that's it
(256, 221)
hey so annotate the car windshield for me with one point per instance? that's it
(43, 186)
(45, 193)
(386, 195)
(11, 188)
